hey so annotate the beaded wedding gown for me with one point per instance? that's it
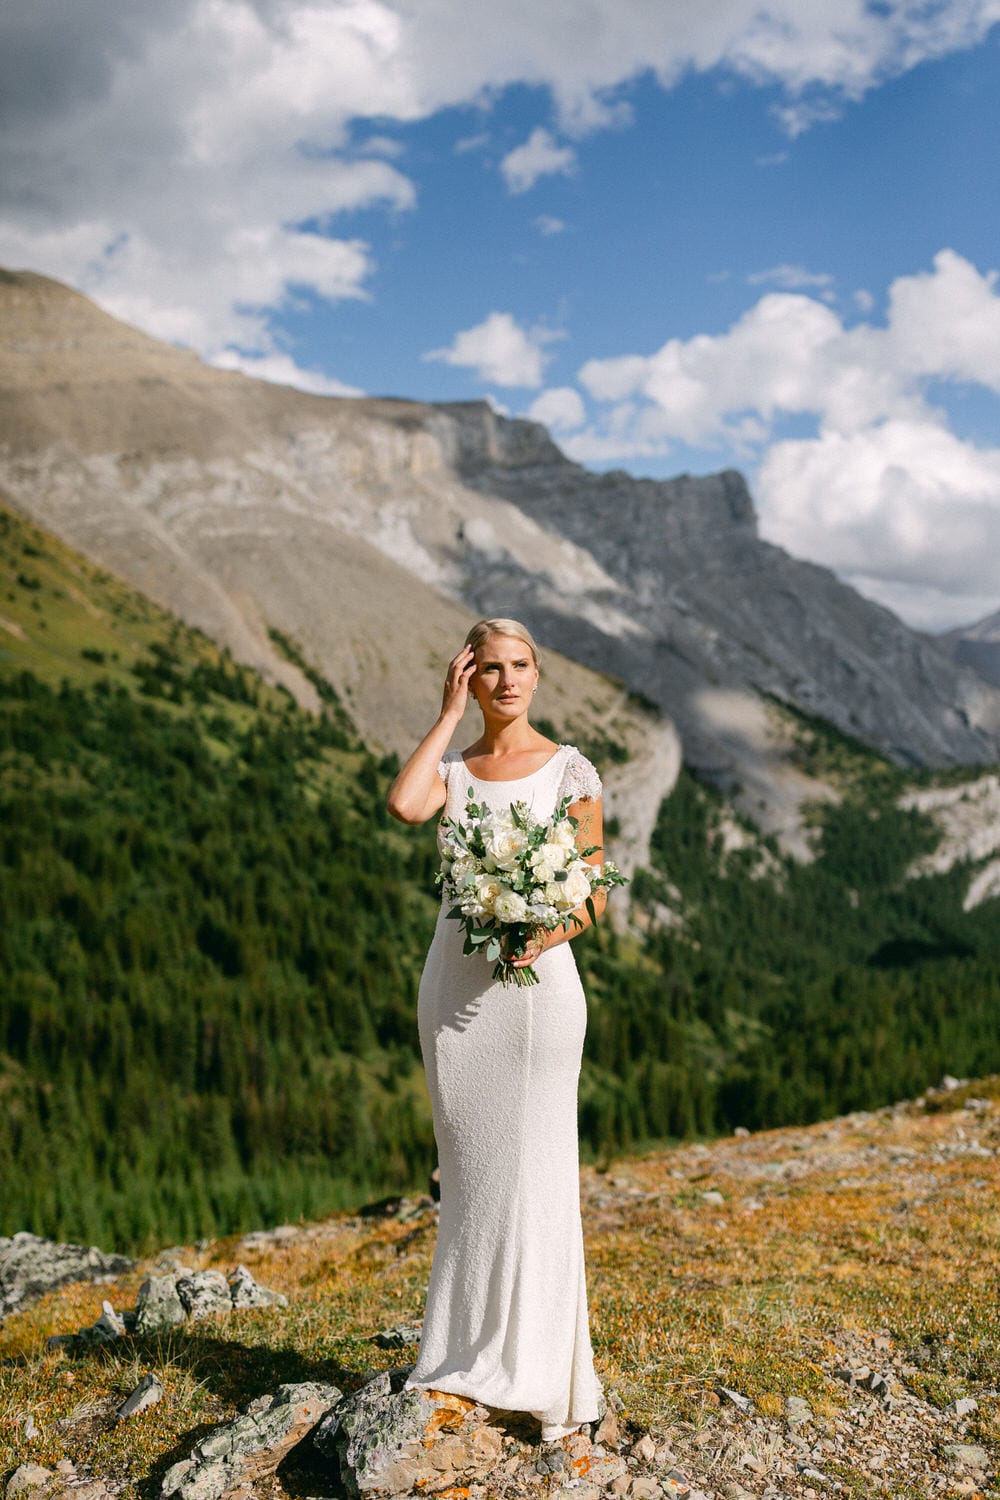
(506, 1320)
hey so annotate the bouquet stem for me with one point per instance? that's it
(509, 973)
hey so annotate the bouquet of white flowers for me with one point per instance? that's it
(512, 876)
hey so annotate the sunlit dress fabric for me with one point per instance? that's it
(506, 1321)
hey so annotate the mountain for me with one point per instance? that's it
(977, 646)
(367, 530)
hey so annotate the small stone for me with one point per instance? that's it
(967, 1453)
(30, 1429)
(806, 1471)
(146, 1394)
(735, 1398)
(644, 1487)
(963, 1407)
(28, 1477)
(65, 1466)
(644, 1450)
(948, 1084)
(741, 1132)
(797, 1410)
(714, 1197)
(400, 1336)
(245, 1292)
(204, 1293)
(109, 1326)
(620, 1485)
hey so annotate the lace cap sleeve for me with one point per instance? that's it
(580, 780)
(446, 762)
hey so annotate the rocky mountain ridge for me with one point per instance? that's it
(978, 646)
(368, 530)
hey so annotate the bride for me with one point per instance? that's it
(506, 1321)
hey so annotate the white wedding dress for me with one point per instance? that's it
(506, 1321)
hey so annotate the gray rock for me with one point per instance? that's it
(813, 1476)
(146, 1394)
(30, 1428)
(28, 1477)
(230, 1461)
(735, 1398)
(971, 1454)
(245, 1292)
(30, 1266)
(393, 1441)
(158, 1305)
(109, 1326)
(963, 1407)
(400, 1336)
(204, 1293)
(797, 1410)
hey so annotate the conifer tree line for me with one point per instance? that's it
(212, 937)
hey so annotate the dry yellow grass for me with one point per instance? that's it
(870, 1240)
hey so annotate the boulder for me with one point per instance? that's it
(232, 1460)
(391, 1441)
(204, 1293)
(245, 1292)
(158, 1305)
(30, 1266)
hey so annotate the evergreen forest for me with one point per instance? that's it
(212, 935)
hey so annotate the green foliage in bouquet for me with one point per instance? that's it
(513, 876)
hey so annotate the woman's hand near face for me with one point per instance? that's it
(419, 792)
(456, 684)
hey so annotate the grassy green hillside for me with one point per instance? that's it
(212, 936)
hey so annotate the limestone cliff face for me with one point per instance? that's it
(978, 646)
(371, 530)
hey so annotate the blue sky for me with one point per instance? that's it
(685, 237)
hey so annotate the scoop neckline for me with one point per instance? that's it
(512, 780)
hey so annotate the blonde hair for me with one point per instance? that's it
(483, 629)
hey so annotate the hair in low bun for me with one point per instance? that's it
(483, 629)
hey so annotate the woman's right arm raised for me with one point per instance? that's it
(418, 791)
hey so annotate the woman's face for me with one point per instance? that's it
(505, 676)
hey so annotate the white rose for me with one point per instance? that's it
(487, 888)
(509, 906)
(546, 860)
(564, 834)
(570, 893)
(576, 885)
(505, 845)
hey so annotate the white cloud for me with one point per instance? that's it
(905, 509)
(548, 225)
(500, 351)
(884, 491)
(560, 408)
(790, 278)
(538, 157)
(199, 135)
(281, 369)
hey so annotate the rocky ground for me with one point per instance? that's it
(799, 1313)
